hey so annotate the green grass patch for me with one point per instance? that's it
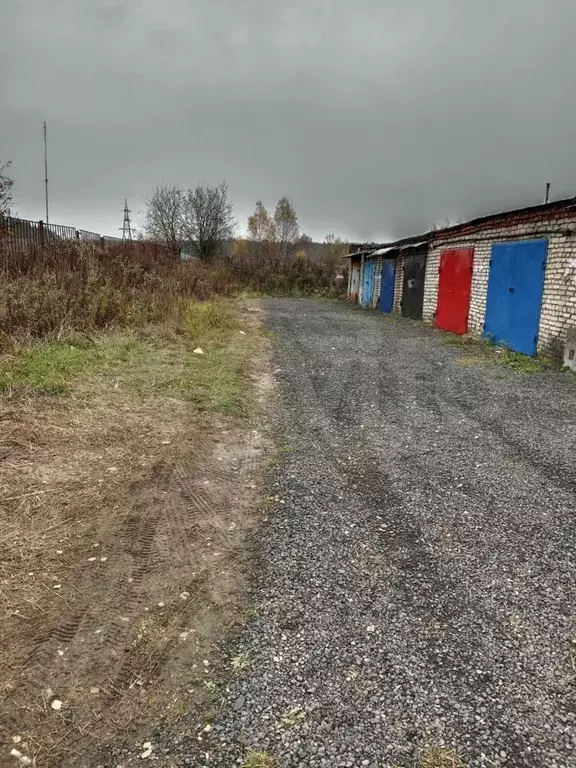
(155, 361)
(217, 380)
(457, 340)
(211, 324)
(483, 352)
(51, 367)
(505, 358)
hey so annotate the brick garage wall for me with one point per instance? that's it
(559, 297)
(398, 283)
(377, 282)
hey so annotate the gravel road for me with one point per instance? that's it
(418, 571)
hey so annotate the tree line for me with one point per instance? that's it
(202, 219)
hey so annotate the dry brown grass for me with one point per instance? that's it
(46, 293)
(125, 508)
(440, 757)
(259, 759)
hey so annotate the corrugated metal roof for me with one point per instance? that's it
(356, 253)
(410, 245)
(381, 251)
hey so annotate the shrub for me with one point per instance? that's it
(45, 292)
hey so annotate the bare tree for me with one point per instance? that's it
(165, 216)
(209, 219)
(6, 184)
(334, 251)
(286, 225)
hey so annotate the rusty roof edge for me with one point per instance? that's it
(569, 202)
(406, 242)
(433, 234)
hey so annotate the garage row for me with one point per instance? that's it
(509, 277)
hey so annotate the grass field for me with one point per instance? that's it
(128, 485)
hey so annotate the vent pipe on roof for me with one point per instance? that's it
(547, 196)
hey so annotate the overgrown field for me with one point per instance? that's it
(45, 293)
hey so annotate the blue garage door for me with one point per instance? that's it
(386, 301)
(368, 283)
(515, 294)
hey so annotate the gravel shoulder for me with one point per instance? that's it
(418, 569)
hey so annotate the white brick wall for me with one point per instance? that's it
(559, 298)
(399, 279)
(377, 282)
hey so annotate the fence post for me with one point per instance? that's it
(41, 231)
(102, 242)
(155, 251)
(77, 234)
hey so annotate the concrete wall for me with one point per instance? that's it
(559, 298)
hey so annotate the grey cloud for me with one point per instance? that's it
(377, 117)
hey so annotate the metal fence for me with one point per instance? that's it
(23, 235)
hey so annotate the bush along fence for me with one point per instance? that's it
(23, 234)
(510, 277)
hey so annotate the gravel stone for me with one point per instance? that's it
(432, 503)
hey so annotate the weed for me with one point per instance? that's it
(240, 662)
(440, 757)
(293, 716)
(210, 323)
(457, 340)
(507, 359)
(258, 759)
(353, 674)
(210, 685)
(486, 352)
(80, 286)
(521, 363)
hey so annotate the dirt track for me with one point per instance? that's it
(418, 584)
(125, 517)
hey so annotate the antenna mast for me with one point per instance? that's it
(46, 170)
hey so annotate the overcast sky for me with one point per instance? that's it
(376, 117)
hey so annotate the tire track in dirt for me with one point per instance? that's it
(100, 644)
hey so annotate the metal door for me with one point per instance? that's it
(514, 296)
(413, 286)
(386, 301)
(354, 283)
(455, 282)
(368, 283)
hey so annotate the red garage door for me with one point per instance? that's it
(454, 290)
